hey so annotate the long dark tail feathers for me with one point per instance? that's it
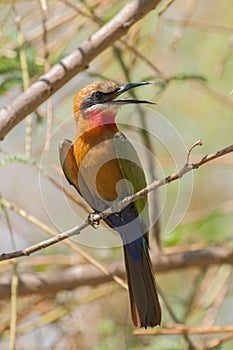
(145, 307)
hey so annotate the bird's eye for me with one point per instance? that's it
(96, 95)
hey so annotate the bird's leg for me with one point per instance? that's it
(92, 221)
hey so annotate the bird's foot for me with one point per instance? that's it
(92, 221)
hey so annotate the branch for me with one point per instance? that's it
(182, 329)
(73, 63)
(121, 204)
(158, 183)
(86, 274)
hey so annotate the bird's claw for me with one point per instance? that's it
(92, 221)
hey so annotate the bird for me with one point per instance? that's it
(103, 166)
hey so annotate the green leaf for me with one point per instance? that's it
(18, 158)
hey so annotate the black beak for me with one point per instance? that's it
(124, 88)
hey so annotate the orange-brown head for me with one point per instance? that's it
(96, 105)
(87, 96)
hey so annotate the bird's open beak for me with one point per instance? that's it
(124, 88)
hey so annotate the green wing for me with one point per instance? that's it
(132, 171)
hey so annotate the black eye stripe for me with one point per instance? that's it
(96, 95)
(100, 94)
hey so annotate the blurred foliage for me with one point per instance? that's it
(22, 158)
(208, 230)
(10, 70)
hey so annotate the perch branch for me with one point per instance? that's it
(120, 205)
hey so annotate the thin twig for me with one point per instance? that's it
(220, 67)
(211, 315)
(118, 206)
(206, 26)
(196, 286)
(47, 67)
(206, 282)
(179, 30)
(145, 59)
(104, 269)
(14, 287)
(183, 329)
(164, 7)
(174, 317)
(77, 200)
(14, 303)
(218, 96)
(26, 83)
(57, 313)
(215, 343)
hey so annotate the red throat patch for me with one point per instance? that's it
(99, 119)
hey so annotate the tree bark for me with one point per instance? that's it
(73, 63)
(44, 283)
